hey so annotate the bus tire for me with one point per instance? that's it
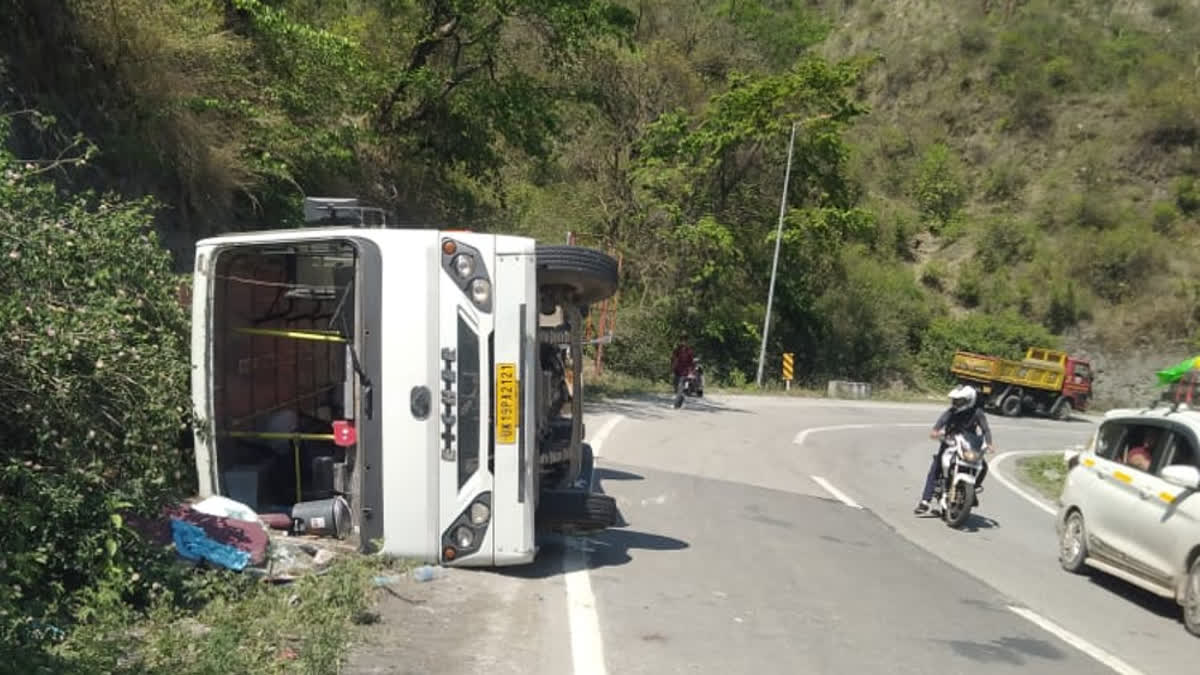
(576, 511)
(588, 276)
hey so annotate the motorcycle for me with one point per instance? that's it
(690, 384)
(962, 463)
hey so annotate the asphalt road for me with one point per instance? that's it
(777, 535)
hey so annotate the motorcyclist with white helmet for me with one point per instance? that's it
(961, 417)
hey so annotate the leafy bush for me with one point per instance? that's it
(1163, 217)
(1031, 108)
(93, 395)
(874, 318)
(1171, 117)
(940, 188)
(1003, 291)
(736, 379)
(1003, 243)
(1066, 307)
(1187, 194)
(933, 275)
(1094, 209)
(1006, 335)
(1004, 182)
(1119, 261)
(969, 287)
(643, 343)
(894, 233)
(974, 39)
(1165, 9)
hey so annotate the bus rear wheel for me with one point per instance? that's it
(586, 275)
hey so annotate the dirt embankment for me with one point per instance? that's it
(1125, 375)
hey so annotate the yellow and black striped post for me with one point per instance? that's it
(788, 360)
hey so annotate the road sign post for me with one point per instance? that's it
(788, 362)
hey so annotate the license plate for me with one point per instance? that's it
(506, 403)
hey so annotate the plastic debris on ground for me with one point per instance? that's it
(249, 537)
(224, 507)
(386, 580)
(226, 533)
(425, 573)
(193, 543)
(291, 557)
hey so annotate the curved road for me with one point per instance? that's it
(775, 571)
(777, 535)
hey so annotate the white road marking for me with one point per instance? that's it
(838, 494)
(1117, 665)
(1017, 490)
(801, 437)
(598, 440)
(587, 646)
(587, 642)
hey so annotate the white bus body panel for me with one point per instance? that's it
(516, 343)
(411, 273)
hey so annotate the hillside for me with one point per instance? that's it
(1033, 160)
(1052, 154)
(979, 174)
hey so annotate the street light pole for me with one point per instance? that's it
(787, 174)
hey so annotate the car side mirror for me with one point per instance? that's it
(1182, 475)
(1071, 456)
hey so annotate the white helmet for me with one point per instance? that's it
(962, 397)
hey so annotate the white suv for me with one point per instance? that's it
(1131, 508)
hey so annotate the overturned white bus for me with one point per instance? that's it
(404, 387)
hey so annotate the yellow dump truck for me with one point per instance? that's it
(1046, 381)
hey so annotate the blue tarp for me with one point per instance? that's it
(193, 544)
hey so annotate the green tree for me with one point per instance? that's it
(939, 187)
(710, 180)
(93, 394)
(874, 317)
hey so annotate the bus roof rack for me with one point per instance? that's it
(343, 211)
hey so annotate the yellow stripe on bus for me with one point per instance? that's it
(1123, 477)
(319, 336)
(1166, 497)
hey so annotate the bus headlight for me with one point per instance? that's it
(464, 265)
(480, 513)
(481, 291)
(464, 537)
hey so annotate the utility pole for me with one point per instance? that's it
(787, 174)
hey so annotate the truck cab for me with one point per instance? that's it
(1077, 383)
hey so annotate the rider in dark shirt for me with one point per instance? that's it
(683, 359)
(961, 417)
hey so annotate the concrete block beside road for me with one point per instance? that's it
(847, 389)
